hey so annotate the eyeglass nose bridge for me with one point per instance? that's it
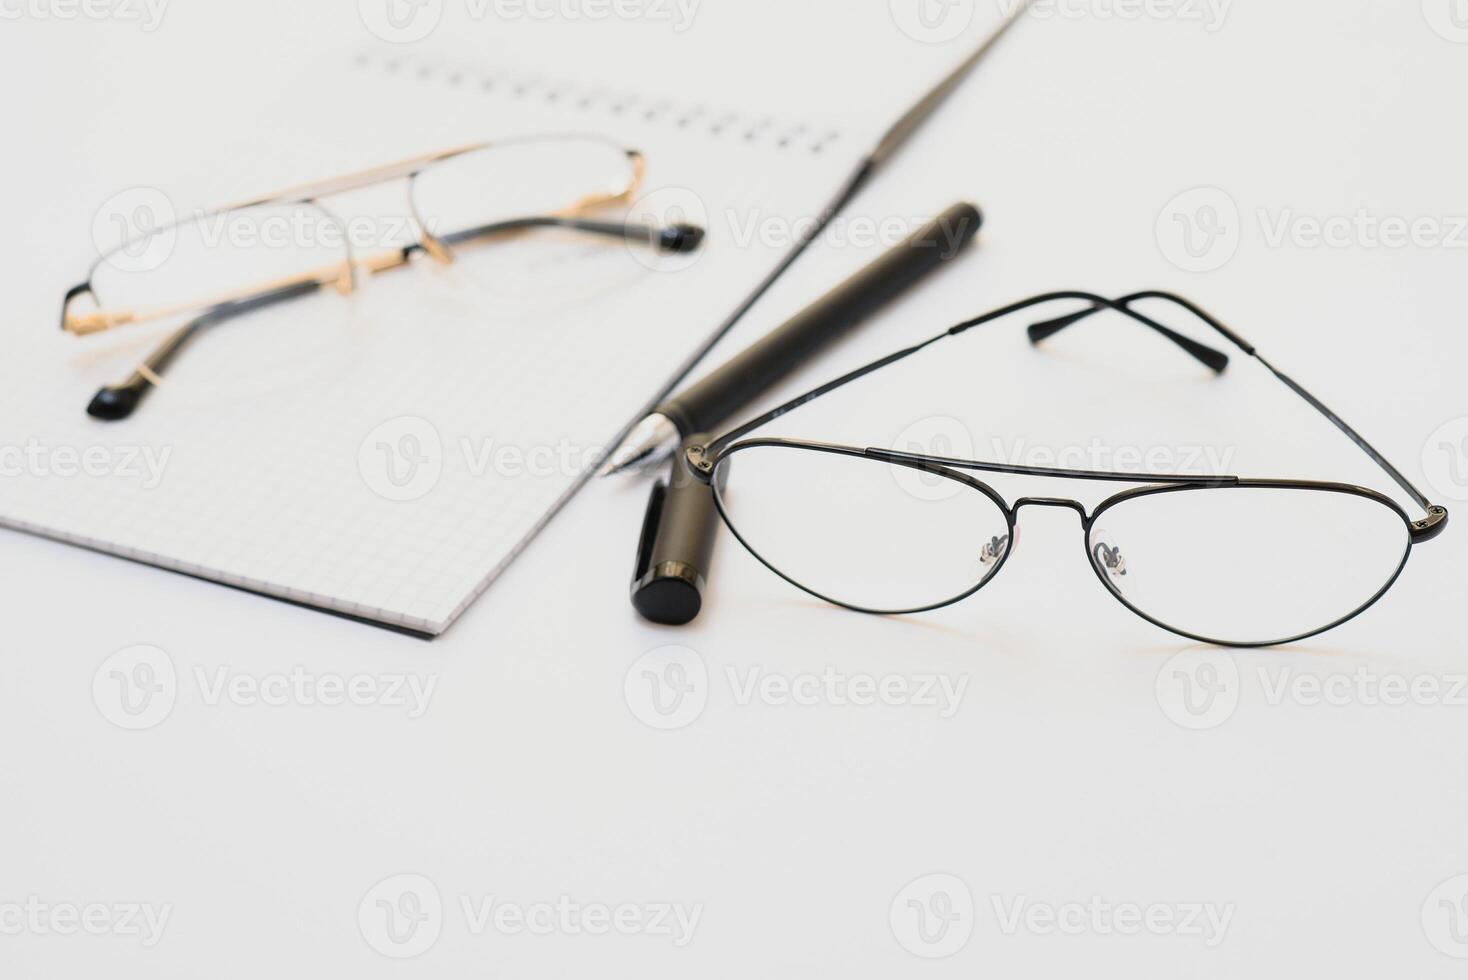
(1060, 502)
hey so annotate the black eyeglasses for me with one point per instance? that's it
(1218, 559)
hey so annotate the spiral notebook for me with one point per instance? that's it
(392, 469)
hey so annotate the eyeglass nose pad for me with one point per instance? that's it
(440, 252)
(993, 553)
(346, 281)
(1108, 557)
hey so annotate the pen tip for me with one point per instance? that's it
(649, 442)
(619, 460)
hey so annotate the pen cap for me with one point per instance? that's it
(677, 547)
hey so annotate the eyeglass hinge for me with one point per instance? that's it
(1431, 526)
(89, 323)
(699, 462)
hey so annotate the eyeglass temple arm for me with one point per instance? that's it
(709, 453)
(1422, 530)
(1049, 328)
(116, 402)
(1213, 358)
(673, 238)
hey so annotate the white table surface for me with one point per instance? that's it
(1324, 838)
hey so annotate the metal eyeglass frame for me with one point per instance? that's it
(705, 461)
(117, 402)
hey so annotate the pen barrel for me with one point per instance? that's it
(708, 404)
(677, 547)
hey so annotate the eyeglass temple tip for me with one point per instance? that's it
(117, 402)
(1210, 357)
(681, 238)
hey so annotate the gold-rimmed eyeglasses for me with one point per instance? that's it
(221, 264)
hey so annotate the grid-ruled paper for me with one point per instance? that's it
(266, 475)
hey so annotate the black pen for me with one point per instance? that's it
(678, 534)
(709, 403)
